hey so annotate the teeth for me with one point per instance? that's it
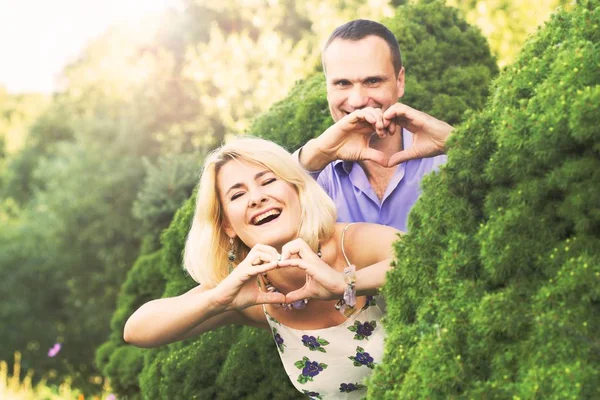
(262, 216)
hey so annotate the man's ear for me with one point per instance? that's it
(400, 83)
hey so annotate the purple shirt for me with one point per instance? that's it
(356, 201)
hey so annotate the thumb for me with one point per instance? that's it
(375, 156)
(296, 295)
(401, 156)
(270, 298)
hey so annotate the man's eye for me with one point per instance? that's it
(373, 81)
(342, 83)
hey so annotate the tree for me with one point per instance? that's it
(507, 23)
(495, 292)
(448, 70)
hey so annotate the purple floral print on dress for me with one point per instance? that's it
(362, 358)
(278, 340)
(363, 331)
(312, 395)
(310, 369)
(350, 387)
(314, 343)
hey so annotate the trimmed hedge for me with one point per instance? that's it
(496, 289)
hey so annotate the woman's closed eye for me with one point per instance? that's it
(268, 181)
(237, 195)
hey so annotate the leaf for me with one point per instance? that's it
(322, 342)
(322, 350)
(359, 349)
(299, 364)
(323, 365)
(352, 328)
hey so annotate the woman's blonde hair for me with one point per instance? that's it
(207, 244)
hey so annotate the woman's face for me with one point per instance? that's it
(259, 207)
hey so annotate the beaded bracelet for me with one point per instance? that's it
(346, 305)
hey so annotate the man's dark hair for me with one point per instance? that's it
(360, 29)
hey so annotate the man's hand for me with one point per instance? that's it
(429, 134)
(348, 139)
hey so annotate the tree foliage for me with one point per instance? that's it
(495, 293)
(448, 70)
(507, 23)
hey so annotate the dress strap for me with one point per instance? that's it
(343, 250)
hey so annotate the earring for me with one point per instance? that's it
(231, 254)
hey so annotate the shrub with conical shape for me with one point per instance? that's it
(496, 289)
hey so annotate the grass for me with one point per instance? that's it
(13, 388)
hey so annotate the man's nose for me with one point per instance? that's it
(358, 97)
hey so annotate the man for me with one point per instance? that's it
(372, 160)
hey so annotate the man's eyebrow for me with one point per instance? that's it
(239, 184)
(377, 77)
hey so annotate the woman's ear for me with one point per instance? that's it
(228, 229)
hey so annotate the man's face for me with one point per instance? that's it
(360, 74)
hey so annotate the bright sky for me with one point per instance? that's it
(39, 37)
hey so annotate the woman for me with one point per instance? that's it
(266, 249)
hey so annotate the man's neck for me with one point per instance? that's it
(390, 144)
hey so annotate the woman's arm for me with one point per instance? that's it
(168, 320)
(369, 248)
(200, 310)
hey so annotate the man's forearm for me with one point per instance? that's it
(312, 158)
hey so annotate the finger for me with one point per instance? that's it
(401, 157)
(262, 268)
(392, 127)
(375, 155)
(295, 262)
(296, 247)
(255, 270)
(296, 295)
(270, 298)
(380, 128)
(399, 110)
(258, 256)
(265, 249)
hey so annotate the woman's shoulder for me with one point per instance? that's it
(365, 243)
(363, 230)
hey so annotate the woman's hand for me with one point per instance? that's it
(322, 281)
(240, 289)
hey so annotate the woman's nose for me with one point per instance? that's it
(257, 197)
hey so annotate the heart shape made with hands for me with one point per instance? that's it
(320, 280)
(429, 134)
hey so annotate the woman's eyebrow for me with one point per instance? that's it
(239, 184)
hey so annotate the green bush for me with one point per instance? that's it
(118, 361)
(448, 70)
(496, 289)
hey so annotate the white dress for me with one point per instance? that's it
(332, 363)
